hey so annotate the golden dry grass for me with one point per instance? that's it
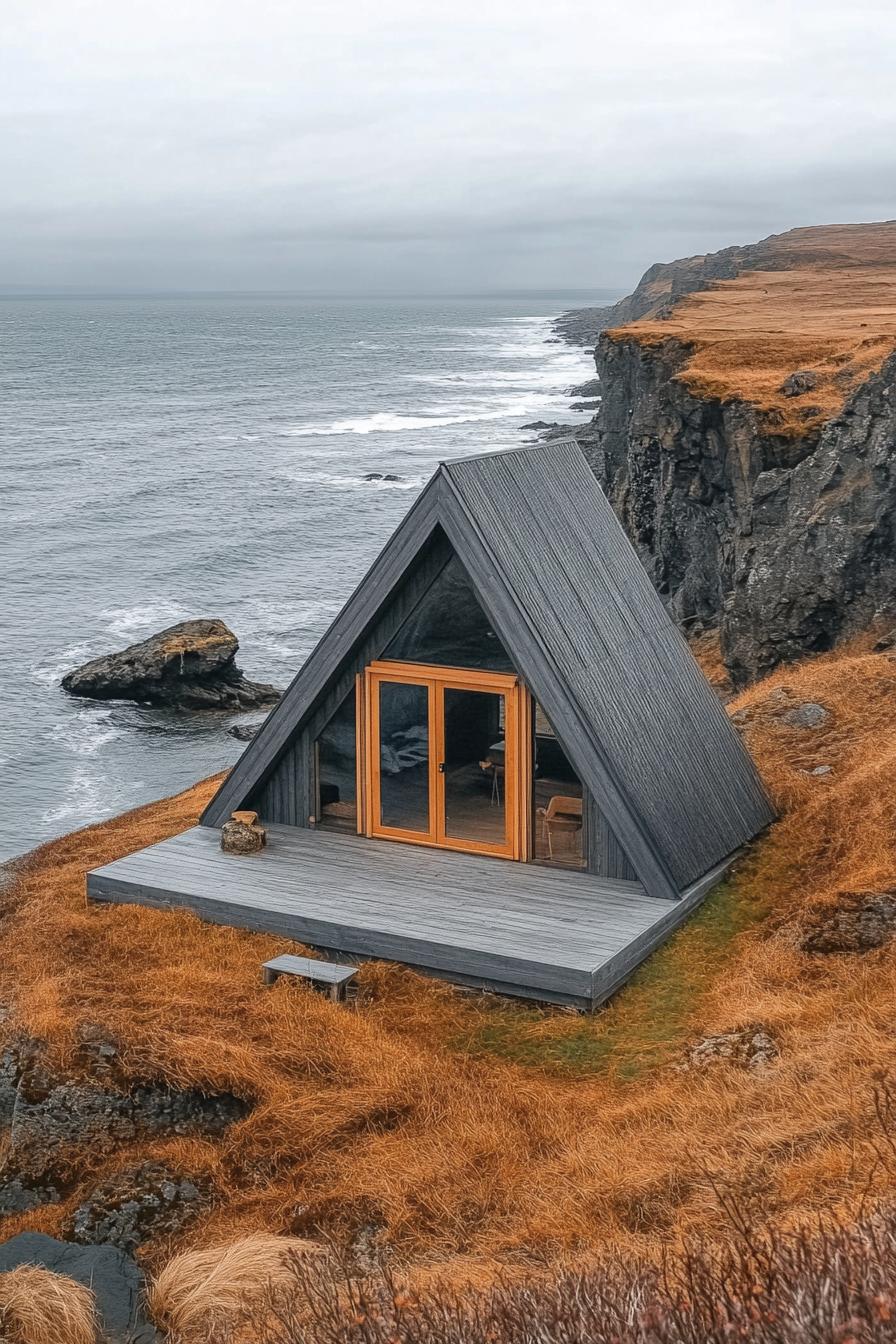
(474, 1131)
(199, 1292)
(39, 1307)
(831, 309)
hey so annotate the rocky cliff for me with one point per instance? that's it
(747, 437)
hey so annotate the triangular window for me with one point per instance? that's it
(449, 628)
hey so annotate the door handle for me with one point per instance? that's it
(441, 767)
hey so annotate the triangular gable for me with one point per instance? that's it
(569, 600)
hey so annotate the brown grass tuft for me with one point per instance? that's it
(201, 1291)
(828, 1283)
(39, 1307)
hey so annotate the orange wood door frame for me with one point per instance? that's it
(517, 769)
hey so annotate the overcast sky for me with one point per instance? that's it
(411, 146)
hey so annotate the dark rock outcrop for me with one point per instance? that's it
(861, 922)
(191, 666)
(49, 1121)
(20, 1196)
(244, 732)
(804, 380)
(114, 1279)
(134, 1205)
(589, 389)
(51, 1118)
(787, 545)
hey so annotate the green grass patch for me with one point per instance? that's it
(647, 1023)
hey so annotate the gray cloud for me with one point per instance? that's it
(405, 145)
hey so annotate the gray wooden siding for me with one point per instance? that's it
(604, 855)
(664, 737)
(539, 667)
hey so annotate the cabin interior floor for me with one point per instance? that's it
(477, 814)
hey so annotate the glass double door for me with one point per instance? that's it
(442, 751)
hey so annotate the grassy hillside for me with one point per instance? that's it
(474, 1131)
(821, 299)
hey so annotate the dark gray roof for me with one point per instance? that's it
(575, 609)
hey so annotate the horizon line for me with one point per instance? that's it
(106, 291)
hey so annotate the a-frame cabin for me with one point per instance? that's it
(501, 764)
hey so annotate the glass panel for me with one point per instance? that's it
(557, 801)
(474, 766)
(448, 627)
(336, 777)
(404, 756)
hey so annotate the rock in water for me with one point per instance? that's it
(188, 666)
(244, 732)
(592, 388)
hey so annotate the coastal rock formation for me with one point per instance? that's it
(590, 389)
(51, 1120)
(188, 666)
(746, 438)
(244, 732)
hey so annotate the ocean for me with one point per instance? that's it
(167, 458)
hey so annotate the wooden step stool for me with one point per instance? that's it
(330, 977)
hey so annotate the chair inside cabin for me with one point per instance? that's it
(561, 817)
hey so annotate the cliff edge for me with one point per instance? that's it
(746, 437)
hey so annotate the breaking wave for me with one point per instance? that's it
(145, 619)
(395, 422)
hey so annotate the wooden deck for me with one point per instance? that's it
(521, 929)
